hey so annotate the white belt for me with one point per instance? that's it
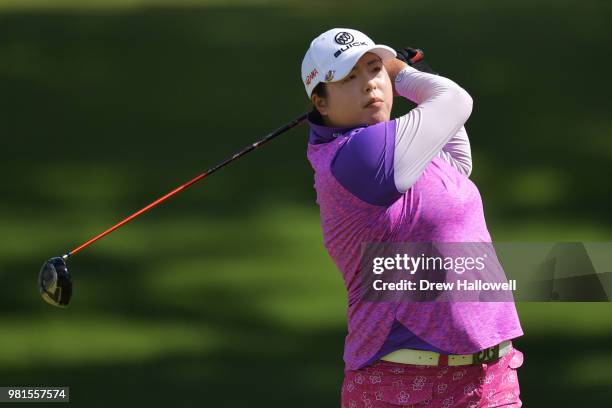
(431, 358)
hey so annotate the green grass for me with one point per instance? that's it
(123, 5)
(227, 288)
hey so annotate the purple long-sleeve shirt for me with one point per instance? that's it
(379, 180)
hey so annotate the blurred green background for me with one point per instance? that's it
(224, 296)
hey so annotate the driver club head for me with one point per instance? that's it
(54, 282)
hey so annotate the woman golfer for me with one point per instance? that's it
(379, 179)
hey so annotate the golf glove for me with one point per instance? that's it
(414, 58)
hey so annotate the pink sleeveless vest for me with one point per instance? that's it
(442, 206)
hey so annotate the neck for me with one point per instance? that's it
(323, 119)
(327, 122)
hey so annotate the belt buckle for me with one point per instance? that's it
(486, 355)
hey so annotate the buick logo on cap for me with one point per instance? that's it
(343, 38)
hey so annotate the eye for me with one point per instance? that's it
(378, 69)
(349, 78)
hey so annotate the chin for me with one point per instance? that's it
(377, 118)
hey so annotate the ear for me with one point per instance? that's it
(319, 103)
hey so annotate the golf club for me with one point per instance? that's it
(54, 281)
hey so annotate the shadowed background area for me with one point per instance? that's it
(225, 296)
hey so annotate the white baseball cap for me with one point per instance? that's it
(333, 54)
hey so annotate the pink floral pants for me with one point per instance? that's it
(391, 385)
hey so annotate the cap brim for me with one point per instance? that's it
(345, 66)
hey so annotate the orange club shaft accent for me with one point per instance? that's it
(160, 200)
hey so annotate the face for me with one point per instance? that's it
(349, 100)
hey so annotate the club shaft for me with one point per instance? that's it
(208, 172)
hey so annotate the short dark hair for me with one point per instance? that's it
(320, 90)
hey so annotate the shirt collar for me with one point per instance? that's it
(319, 133)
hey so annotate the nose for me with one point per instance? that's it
(370, 85)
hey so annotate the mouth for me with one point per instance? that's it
(373, 102)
